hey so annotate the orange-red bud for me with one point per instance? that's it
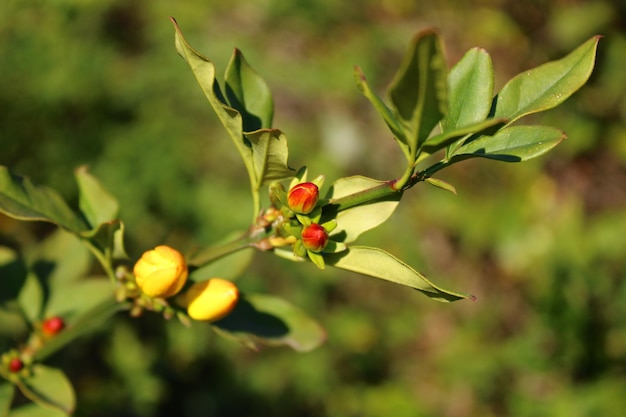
(314, 237)
(52, 326)
(15, 365)
(303, 197)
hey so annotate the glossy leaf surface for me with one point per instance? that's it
(547, 85)
(512, 144)
(377, 263)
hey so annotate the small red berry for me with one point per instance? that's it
(16, 365)
(53, 325)
(314, 237)
(303, 197)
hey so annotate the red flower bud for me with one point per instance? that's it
(303, 197)
(52, 326)
(314, 237)
(15, 365)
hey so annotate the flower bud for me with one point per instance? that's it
(314, 237)
(15, 365)
(52, 326)
(210, 300)
(303, 197)
(161, 272)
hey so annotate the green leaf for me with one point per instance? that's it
(547, 85)
(247, 92)
(356, 220)
(512, 144)
(204, 71)
(60, 259)
(7, 390)
(108, 238)
(387, 114)
(31, 298)
(270, 156)
(443, 139)
(75, 298)
(34, 410)
(95, 202)
(260, 319)
(377, 263)
(22, 200)
(470, 89)
(49, 387)
(418, 91)
(441, 184)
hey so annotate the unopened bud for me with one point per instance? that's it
(210, 300)
(161, 272)
(314, 237)
(52, 326)
(15, 365)
(303, 197)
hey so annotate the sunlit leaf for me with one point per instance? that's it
(512, 144)
(470, 90)
(270, 156)
(547, 85)
(377, 263)
(441, 184)
(95, 202)
(419, 88)
(356, 220)
(204, 71)
(49, 387)
(23, 200)
(443, 139)
(265, 320)
(382, 109)
(247, 92)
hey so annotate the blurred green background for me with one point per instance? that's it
(541, 245)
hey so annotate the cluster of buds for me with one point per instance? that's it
(162, 273)
(300, 222)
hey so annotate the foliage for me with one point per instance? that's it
(105, 241)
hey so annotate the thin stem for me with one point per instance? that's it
(215, 252)
(380, 191)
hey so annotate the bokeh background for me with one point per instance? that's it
(541, 245)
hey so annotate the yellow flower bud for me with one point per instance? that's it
(161, 272)
(210, 300)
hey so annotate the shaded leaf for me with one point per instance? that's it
(270, 156)
(247, 92)
(95, 202)
(108, 238)
(419, 88)
(387, 114)
(31, 298)
(260, 319)
(49, 387)
(356, 220)
(34, 410)
(60, 258)
(377, 263)
(77, 297)
(12, 272)
(547, 85)
(470, 90)
(23, 200)
(512, 144)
